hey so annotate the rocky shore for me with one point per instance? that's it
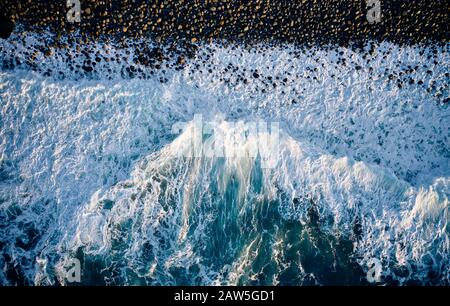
(173, 30)
(300, 21)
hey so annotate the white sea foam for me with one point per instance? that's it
(91, 166)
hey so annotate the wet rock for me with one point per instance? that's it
(87, 68)
(6, 27)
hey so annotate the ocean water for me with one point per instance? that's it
(91, 167)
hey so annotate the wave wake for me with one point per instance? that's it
(230, 221)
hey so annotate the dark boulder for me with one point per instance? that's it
(6, 27)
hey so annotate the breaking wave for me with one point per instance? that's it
(91, 169)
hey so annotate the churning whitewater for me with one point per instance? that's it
(91, 168)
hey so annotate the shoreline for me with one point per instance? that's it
(341, 22)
